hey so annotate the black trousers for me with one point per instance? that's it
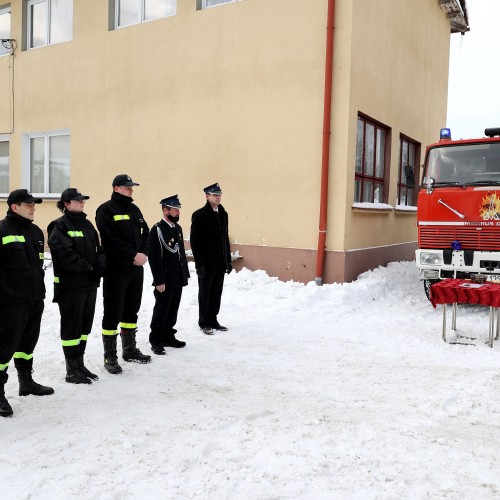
(122, 294)
(209, 296)
(19, 332)
(77, 308)
(164, 315)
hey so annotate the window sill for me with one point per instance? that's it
(376, 208)
(404, 209)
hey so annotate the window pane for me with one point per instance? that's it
(379, 169)
(211, 3)
(38, 16)
(58, 163)
(369, 149)
(155, 9)
(378, 196)
(367, 191)
(61, 21)
(409, 200)
(4, 29)
(411, 155)
(357, 190)
(37, 164)
(4, 167)
(359, 147)
(129, 12)
(402, 196)
(404, 162)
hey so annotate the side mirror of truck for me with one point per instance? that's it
(410, 176)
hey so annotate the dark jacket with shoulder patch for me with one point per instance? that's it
(77, 255)
(21, 260)
(123, 230)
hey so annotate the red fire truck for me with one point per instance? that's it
(458, 214)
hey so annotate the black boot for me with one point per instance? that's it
(173, 342)
(110, 357)
(28, 386)
(86, 372)
(130, 351)
(73, 373)
(5, 408)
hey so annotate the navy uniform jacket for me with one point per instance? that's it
(210, 239)
(167, 257)
(77, 256)
(123, 230)
(21, 260)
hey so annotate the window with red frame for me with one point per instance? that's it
(370, 180)
(409, 153)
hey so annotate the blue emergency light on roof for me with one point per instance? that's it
(445, 133)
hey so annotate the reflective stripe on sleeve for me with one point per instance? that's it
(56, 279)
(13, 238)
(84, 338)
(3, 367)
(75, 234)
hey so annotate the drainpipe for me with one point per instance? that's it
(325, 160)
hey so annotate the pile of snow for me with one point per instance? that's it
(340, 391)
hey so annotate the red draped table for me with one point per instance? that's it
(455, 291)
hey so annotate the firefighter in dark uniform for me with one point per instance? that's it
(210, 245)
(125, 239)
(79, 263)
(167, 259)
(22, 291)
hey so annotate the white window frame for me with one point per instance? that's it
(142, 14)
(26, 160)
(6, 138)
(204, 3)
(48, 42)
(3, 50)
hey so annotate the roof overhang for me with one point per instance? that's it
(456, 10)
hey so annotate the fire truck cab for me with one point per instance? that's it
(458, 209)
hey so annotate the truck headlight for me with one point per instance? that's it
(431, 258)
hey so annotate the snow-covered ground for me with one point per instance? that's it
(340, 391)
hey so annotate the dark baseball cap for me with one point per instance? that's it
(124, 180)
(22, 196)
(72, 194)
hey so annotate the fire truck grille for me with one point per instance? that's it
(470, 237)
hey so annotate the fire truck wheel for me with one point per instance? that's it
(427, 287)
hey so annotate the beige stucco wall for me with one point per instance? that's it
(235, 94)
(397, 75)
(230, 94)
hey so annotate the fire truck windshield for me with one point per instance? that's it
(463, 164)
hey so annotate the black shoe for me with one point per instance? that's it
(135, 355)
(28, 386)
(112, 366)
(5, 408)
(174, 343)
(207, 330)
(158, 349)
(130, 352)
(86, 372)
(221, 328)
(73, 373)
